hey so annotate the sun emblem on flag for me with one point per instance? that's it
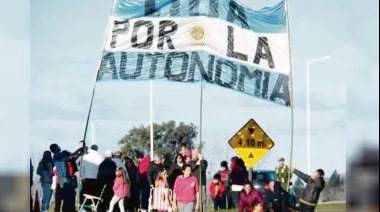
(198, 32)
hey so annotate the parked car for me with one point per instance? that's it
(261, 180)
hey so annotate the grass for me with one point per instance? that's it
(329, 207)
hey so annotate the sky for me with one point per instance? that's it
(60, 43)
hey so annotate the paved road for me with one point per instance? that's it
(12, 193)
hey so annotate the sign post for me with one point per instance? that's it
(250, 173)
(251, 143)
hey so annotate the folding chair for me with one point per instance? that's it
(160, 199)
(94, 201)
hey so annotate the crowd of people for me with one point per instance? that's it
(126, 185)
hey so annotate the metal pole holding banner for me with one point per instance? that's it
(151, 118)
(89, 114)
(290, 91)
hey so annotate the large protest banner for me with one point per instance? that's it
(220, 41)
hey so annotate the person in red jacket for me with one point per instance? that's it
(248, 197)
(144, 163)
(217, 190)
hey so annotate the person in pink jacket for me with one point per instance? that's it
(184, 151)
(120, 189)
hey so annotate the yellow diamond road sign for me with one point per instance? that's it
(251, 143)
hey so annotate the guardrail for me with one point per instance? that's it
(331, 203)
(328, 203)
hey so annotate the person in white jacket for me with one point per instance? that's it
(89, 174)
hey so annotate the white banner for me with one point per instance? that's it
(218, 37)
(219, 41)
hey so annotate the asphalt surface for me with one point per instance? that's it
(12, 193)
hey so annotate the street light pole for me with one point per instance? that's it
(309, 62)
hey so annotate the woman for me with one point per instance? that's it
(248, 197)
(166, 161)
(175, 170)
(238, 176)
(133, 202)
(45, 170)
(188, 160)
(186, 192)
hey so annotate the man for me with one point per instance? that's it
(154, 168)
(144, 163)
(90, 169)
(58, 196)
(106, 176)
(61, 160)
(224, 173)
(199, 167)
(282, 173)
(280, 202)
(314, 187)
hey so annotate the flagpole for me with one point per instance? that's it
(290, 91)
(89, 114)
(151, 117)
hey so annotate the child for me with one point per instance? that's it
(186, 192)
(184, 152)
(161, 186)
(162, 181)
(257, 207)
(120, 188)
(217, 190)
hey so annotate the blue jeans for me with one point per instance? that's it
(46, 196)
(145, 193)
(235, 199)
